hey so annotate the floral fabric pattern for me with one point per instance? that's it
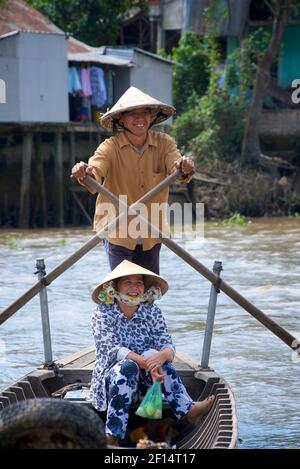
(113, 331)
(126, 382)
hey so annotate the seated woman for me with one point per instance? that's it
(134, 348)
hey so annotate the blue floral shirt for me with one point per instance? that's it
(115, 335)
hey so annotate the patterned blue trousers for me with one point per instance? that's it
(126, 383)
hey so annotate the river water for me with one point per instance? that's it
(260, 260)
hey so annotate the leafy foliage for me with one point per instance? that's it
(235, 219)
(212, 127)
(95, 22)
(190, 74)
(241, 64)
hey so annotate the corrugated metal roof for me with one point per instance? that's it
(119, 56)
(127, 53)
(74, 45)
(122, 52)
(14, 33)
(154, 56)
(95, 56)
(17, 15)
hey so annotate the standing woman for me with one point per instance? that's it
(133, 161)
(134, 349)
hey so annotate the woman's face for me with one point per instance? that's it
(137, 121)
(132, 285)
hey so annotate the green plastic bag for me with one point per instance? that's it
(151, 405)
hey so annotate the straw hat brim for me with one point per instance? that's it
(166, 111)
(126, 268)
(134, 98)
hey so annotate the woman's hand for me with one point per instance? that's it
(156, 360)
(154, 366)
(80, 170)
(157, 374)
(186, 165)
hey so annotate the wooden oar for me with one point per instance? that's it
(279, 331)
(57, 271)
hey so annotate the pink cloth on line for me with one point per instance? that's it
(85, 82)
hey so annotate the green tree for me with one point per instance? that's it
(190, 74)
(282, 11)
(95, 22)
(212, 126)
(241, 64)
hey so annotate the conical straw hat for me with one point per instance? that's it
(134, 98)
(129, 268)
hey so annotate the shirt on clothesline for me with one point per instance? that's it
(85, 81)
(74, 83)
(99, 94)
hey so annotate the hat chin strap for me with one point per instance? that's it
(158, 115)
(125, 128)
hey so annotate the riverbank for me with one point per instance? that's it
(224, 188)
(227, 188)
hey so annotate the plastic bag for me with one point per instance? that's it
(151, 405)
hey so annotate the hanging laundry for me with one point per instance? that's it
(110, 93)
(86, 83)
(74, 83)
(99, 94)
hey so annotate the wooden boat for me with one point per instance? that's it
(217, 429)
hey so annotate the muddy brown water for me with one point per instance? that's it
(260, 260)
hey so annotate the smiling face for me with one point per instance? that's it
(132, 285)
(137, 121)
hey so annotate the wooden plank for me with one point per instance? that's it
(4, 401)
(76, 372)
(186, 360)
(25, 385)
(25, 180)
(42, 374)
(83, 361)
(37, 386)
(70, 359)
(18, 391)
(41, 180)
(72, 160)
(58, 178)
(11, 396)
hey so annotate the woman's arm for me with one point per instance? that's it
(159, 359)
(155, 371)
(162, 338)
(139, 359)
